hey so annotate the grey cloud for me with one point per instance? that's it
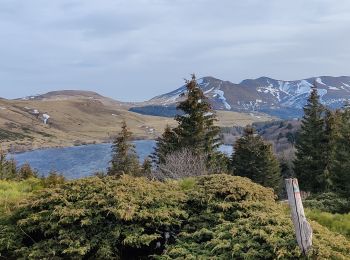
(135, 49)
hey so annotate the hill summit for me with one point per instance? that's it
(65, 94)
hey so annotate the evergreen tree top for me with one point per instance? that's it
(196, 127)
(125, 133)
(196, 100)
(313, 100)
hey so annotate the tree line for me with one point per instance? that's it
(321, 163)
(10, 171)
(191, 148)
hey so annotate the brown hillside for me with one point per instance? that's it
(78, 117)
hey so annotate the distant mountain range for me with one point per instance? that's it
(284, 99)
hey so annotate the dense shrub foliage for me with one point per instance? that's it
(328, 202)
(207, 217)
(232, 218)
(95, 218)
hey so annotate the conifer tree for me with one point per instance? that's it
(332, 133)
(124, 157)
(165, 145)
(196, 129)
(3, 165)
(146, 169)
(11, 166)
(8, 168)
(26, 172)
(310, 164)
(340, 167)
(254, 159)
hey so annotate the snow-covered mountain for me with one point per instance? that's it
(275, 97)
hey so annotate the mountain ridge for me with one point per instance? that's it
(282, 98)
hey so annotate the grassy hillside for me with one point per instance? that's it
(71, 122)
(78, 118)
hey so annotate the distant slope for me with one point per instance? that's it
(78, 117)
(279, 98)
(71, 121)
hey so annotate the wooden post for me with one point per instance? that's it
(302, 228)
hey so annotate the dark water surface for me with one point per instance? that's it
(81, 161)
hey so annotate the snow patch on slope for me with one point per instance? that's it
(303, 87)
(333, 88)
(270, 89)
(208, 91)
(319, 81)
(221, 95)
(174, 95)
(200, 81)
(322, 92)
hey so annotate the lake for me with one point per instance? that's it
(81, 161)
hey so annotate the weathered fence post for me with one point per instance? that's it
(302, 228)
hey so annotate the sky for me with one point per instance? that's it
(133, 50)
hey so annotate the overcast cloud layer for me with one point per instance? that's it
(136, 49)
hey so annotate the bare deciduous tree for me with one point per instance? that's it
(181, 164)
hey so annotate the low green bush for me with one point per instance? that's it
(95, 218)
(207, 217)
(328, 202)
(232, 218)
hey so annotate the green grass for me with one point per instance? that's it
(13, 192)
(339, 223)
(187, 183)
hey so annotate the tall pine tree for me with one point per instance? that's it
(166, 144)
(196, 129)
(332, 133)
(340, 167)
(310, 164)
(254, 159)
(124, 157)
